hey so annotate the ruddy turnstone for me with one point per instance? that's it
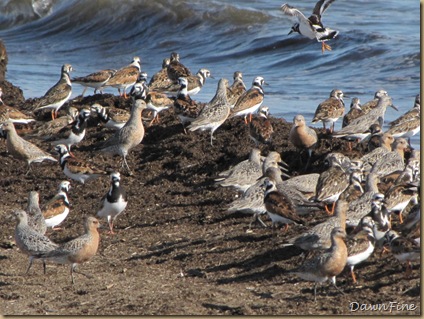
(373, 140)
(311, 27)
(50, 128)
(13, 114)
(194, 82)
(114, 201)
(23, 150)
(355, 111)
(160, 81)
(303, 137)
(406, 129)
(29, 241)
(157, 102)
(318, 237)
(94, 80)
(359, 248)
(73, 133)
(57, 208)
(397, 198)
(250, 101)
(110, 117)
(236, 89)
(77, 169)
(176, 69)
(381, 221)
(333, 181)
(359, 128)
(279, 208)
(403, 249)
(128, 137)
(78, 250)
(354, 189)
(327, 265)
(184, 107)
(391, 161)
(244, 174)
(330, 110)
(125, 77)
(260, 128)
(35, 217)
(210, 118)
(58, 94)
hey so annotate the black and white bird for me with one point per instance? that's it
(311, 27)
(73, 133)
(114, 201)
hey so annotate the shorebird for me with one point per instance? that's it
(29, 241)
(318, 237)
(368, 106)
(23, 150)
(279, 208)
(78, 250)
(176, 69)
(214, 113)
(327, 265)
(333, 181)
(330, 110)
(110, 117)
(360, 247)
(128, 137)
(113, 202)
(355, 111)
(260, 128)
(250, 101)
(303, 137)
(73, 133)
(369, 159)
(11, 113)
(373, 140)
(58, 94)
(412, 114)
(403, 249)
(194, 82)
(391, 161)
(35, 217)
(77, 169)
(359, 128)
(56, 209)
(94, 80)
(244, 174)
(185, 107)
(236, 89)
(125, 77)
(397, 198)
(311, 27)
(160, 82)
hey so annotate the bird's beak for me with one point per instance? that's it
(291, 31)
(394, 107)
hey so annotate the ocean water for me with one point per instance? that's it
(378, 46)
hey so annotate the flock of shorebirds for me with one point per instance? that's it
(362, 194)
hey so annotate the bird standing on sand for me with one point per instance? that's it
(303, 137)
(327, 265)
(125, 77)
(330, 110)
(128, 137)
(57, 209)
(311, 27)
(78, 250)
(23, 150)
(57, 95)
(250, 101)
(114, 201)
(29, 241)
(214, 113)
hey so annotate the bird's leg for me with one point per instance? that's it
(250, 117)
(57, 228)
(125, 165)
(111, 228)
(315, 292)
(30, 264)
(325, 46)
(353, 275)
(408, 271)
(245, 119)
(400, 218)
(44, 267)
